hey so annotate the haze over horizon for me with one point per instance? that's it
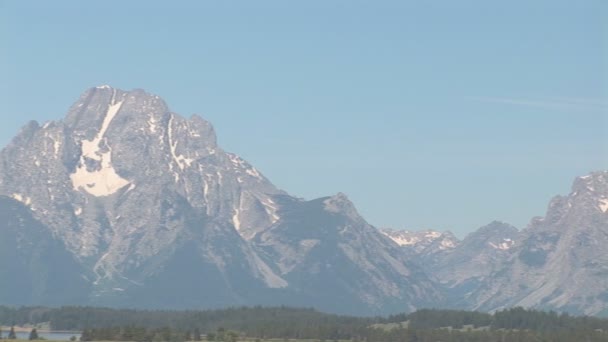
(429, 116)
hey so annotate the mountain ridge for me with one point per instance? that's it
(138, 196)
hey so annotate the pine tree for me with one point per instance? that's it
(33, 334)
(11, 334)
(197, 334)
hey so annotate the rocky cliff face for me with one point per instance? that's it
(560, 261)
(148, 204)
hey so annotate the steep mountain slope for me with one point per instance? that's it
(560, 262)
(149, 204)
(35, 268)
(326, 248)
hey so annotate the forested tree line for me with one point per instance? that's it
(514, 318)
(160, 334)
(281, 322)
(515, 324)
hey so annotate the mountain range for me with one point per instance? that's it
(124, 203)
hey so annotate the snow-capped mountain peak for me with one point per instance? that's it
(138, 194)
(422, 240)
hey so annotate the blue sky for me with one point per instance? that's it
(434, 114)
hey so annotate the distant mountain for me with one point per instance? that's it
(459, 266)
(155, 214)
(424, 242)
(560, 261)
(473, 261)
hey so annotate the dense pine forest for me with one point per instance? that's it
(258, 323)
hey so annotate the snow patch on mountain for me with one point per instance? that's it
(181, 161)
(420, 240)
(102, 180)
(23, 199)
(271, 209)
(448, 244)
(505, 245)
(402, 239)
(152, 124)
(56, 147)
(603, 204)
(240, 165)
(235, 219)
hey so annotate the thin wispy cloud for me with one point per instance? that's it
(563, 103)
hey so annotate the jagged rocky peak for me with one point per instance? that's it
(589, 196)
(340, 203)
(116, 131)
(592, 188)
(136, 110)
(27, 132)
(497, 235)
(560, 259)
(591, 181)
(497, 228)
(119, 149)
(422, 239)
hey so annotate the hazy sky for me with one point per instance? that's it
(427, 114)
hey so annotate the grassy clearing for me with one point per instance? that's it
(391, 326)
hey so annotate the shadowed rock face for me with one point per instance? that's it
(35, 268)
(138, 195)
